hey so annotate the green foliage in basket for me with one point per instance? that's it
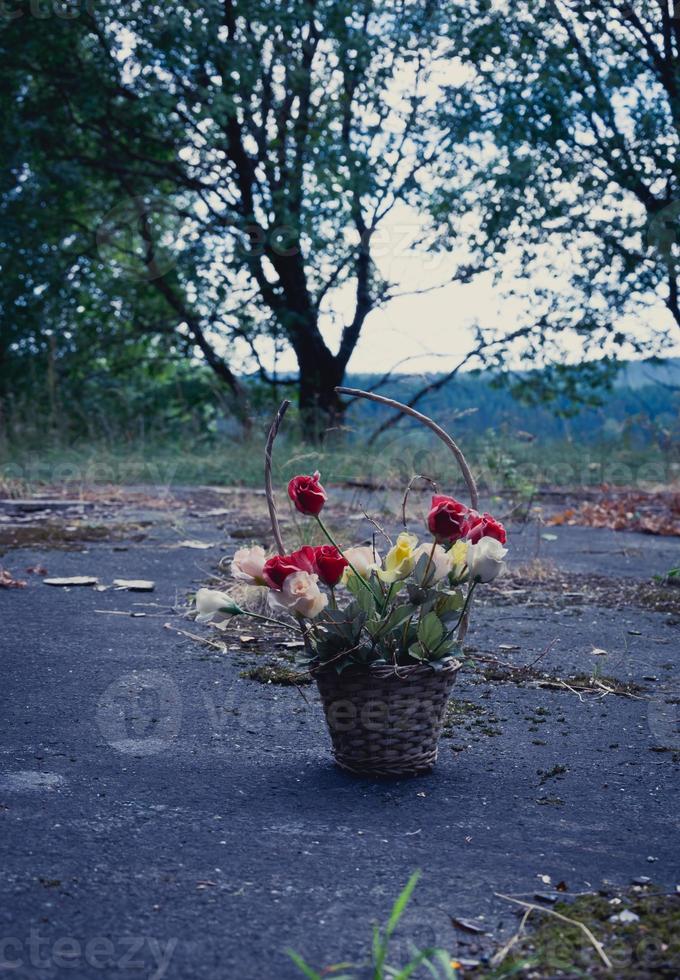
(354, 608)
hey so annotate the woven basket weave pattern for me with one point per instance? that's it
(386, 722)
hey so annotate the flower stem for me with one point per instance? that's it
(339, 550)
(429, 563)
(464, 610)
(269, 619)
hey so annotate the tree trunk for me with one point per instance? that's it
(321, 409)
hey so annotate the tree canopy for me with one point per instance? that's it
(564, 139)
(208, 179)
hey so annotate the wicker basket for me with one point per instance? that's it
(385, 721)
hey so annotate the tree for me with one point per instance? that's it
(563, 139)
(212, 174)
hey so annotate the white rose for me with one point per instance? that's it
(364, 559)
(485, 559)
(213, 606)
(440, 566)
(301, 594)
(247, 565)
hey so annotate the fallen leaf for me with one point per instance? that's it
(197, 545)
(74, 580)
(7, 582)
(467, 926)
(248, 639)
(598, 652)
(134, 584)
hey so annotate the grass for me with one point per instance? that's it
(500, 465)
(647, 946)
(437, 961)
(584, 936)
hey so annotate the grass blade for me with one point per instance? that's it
(300, 963)
(401, 903)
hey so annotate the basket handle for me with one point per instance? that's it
(268, 489)
(437, 429)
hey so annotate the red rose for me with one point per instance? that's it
(330, 564)
(277, 569)
(307, 494)
(447, 518)
(485, 526)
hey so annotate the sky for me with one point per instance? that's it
(433, 328)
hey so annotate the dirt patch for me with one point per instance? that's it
(541, 583)
(651, 513)
(68, 537)
(470, 718)
(638, 929)
(274, 673)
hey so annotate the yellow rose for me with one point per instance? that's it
(400, 560)
(459, 555)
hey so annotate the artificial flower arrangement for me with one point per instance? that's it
(355, 608)
(370, 622)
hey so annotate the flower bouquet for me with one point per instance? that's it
(381, 623)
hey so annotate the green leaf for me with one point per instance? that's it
(418, 573)
(398, 616)
(430, 631)
(362, 596)
(374, 627)
(449, 604)
(416, 595)
(417, 651)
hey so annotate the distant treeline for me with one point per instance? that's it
(165, 401)
(643, 403)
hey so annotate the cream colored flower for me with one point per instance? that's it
(400, 560)
(213, 606)
(440, 565)
(247, 565)
(363, 558)
(300, 593)
(485, 559)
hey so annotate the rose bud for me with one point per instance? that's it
(330, 564)
(447, 518)
(307, 494)
(485, 526)
(213, 606)
(277, 569)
